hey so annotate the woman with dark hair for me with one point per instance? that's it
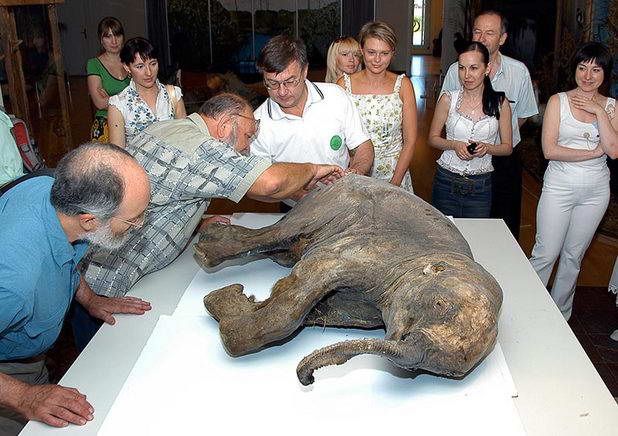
(580, 130)
(145, 100)
(478, 125)
(106, 76)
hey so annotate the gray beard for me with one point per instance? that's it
(232, 138)
(105, 238)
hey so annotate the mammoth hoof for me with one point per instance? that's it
(232, 338)
(209, 250)
(229, 302)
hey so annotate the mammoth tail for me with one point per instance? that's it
(341, 352)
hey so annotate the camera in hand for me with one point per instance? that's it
(471, 147)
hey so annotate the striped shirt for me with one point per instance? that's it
(187, 167)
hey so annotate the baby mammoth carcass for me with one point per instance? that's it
(365, 254)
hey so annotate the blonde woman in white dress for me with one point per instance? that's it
(387, 105)
(344, 56)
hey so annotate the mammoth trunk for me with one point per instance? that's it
(341, 352)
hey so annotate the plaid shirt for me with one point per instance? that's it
(187, 167)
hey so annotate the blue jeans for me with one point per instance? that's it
(84, 325)
(461, 197)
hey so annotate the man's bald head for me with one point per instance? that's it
(94, 179)
(229, 118)
(224, 104)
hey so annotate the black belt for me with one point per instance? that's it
(38, 173)
(32, 359)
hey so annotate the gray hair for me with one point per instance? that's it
(223, 104)
(87, 180)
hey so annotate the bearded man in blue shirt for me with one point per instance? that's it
(99, 193)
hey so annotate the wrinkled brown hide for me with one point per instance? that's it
(364, 254)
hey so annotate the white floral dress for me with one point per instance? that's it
(382, 116)
(136, 112)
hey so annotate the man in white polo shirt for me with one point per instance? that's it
(512, 77)
(304, 121)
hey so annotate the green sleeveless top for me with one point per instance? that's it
(110, 84)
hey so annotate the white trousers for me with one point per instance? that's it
(567, 217)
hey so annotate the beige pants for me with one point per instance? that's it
(33, 373)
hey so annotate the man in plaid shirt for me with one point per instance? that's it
(189, 161)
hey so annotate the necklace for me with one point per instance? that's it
(475, 107)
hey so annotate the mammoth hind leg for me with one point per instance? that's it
(259, 324)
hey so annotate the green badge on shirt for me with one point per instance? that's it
(335, 142)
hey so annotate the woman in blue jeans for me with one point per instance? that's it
(478, 125)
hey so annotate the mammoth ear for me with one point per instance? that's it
(434, 268)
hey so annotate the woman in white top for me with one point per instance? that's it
(579, 132)
(386, 103)
(145, 100)
(478, 125)
(344, 56)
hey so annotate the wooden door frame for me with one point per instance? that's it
(427, 15)
(14, 65)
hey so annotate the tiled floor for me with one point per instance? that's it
(594, 318)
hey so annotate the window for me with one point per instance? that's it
(229, 34)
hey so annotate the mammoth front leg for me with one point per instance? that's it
(284, 241)
(280, 315)
(219, 242)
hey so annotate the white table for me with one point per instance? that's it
(560, 391)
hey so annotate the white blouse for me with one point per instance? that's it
(459, 127)
(580, 136)
(136, 112)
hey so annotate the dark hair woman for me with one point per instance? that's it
(106, 76)
(478, 125)
(145, 100)
(580, 130)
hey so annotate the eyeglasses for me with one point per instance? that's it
(257, 126)
(273, 85)
(136, 222)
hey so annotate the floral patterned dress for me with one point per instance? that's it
(382, 116)
(136, 112)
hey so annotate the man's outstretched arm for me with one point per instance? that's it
(52, 404)
(284, 180)
(104, 308)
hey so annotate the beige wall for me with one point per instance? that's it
(395, 13)
(131, 13)
(436, 19)
(79, 19)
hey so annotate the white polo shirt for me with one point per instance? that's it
(513, 79)
(329, 127)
